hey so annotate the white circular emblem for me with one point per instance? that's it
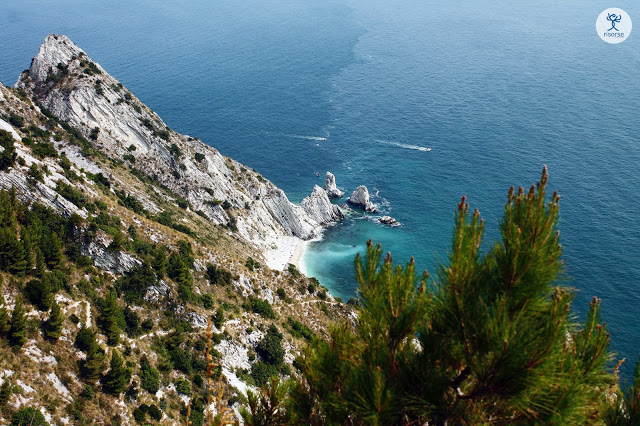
(613, 25)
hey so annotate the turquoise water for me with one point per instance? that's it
(495, 89)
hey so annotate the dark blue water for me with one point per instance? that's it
(496, 89)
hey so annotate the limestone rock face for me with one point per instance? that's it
(82, 94)
(116, 262)
(360, 198)
(288, 215)
(330, 186)
(319, 208)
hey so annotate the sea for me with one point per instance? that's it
(495, 90)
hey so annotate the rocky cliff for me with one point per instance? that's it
(63, 79)
(138, 236)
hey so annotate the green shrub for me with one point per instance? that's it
(117, 378)
(270, 347)
(154, 412)
(218, 275)
(163, 134)
(34, 174)
(16, 120)
(297, 329)
(261, 372)
(130, 202)
(182, 203)
(8, 155)
(147, 325)
(99, 178)
(182, 386)
(199, 157)
(71, 194)
(28, 417)
(293, 270)
(175, 151)
(252, 264)
(44, 149)
(140, 414)
(261, 307)
(207, 301)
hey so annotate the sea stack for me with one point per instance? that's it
(360, 198)
(318, 207)
(330, 186)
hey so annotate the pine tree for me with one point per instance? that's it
(118, 376)
(92, 365)
(12, 255)
(8, 155)
(266, 407)
(149, 376)
(218, 319)
(626, 407)
(5, 324)
(18, 330)
(109, 319)
(52, 249)
(39, 293)
(27, 246)
(490, 339)
(5, 391)
(53, 326)
(40, 264)
(159, 263)
(178, 270)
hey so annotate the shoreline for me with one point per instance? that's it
(289, 249)
(297, 256)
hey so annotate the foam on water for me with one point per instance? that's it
(405, 145)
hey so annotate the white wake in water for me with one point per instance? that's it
(310, 138)
(405, 145)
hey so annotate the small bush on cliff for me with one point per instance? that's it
(28, 417)
(261, 307)
(218, 275)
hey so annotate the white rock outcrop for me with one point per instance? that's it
(79, 92)
(330, 186)
(117, 262)
(319, 208)
(360, 198)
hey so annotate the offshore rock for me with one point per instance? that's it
(388, 220)
(360, 198)
(330, 186)
(319, 208)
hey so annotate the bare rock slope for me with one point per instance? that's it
(63, 79)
